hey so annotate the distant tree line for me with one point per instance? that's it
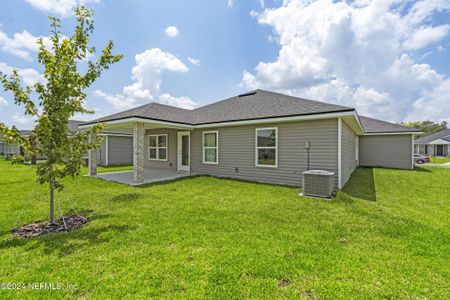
(427, 127)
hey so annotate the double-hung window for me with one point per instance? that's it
(266, 152)
(157, 147)
(211, 147)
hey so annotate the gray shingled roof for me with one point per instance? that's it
(73, 125)
(261, 104)
(371, 125)
(152, 111)
(258, 104)
(433, 137)
(25, 132)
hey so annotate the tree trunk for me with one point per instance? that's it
(33, 159)
(52, 195)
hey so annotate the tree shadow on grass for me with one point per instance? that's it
(361, 185)
(164, 182)
(420, 169)
(67, 243)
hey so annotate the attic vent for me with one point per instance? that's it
(247, 94)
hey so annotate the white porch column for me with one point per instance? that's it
(138, 152)
(92, 157)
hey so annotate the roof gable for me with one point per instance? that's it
(439, 142)
(153, 111)
(432, 137)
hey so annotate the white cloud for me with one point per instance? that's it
(358, 54)
(183, 102)
(21, 44)
(98, 113)
(21, 119)
(194, 61)
(3, 102)
(147, 81)
(29, 76)
(425, 36)
(172, 31)
(118, 101)
(433, 105)
(230, 3)
(63, 8)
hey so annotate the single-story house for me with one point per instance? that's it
(436, 144)
(15, 149)
(116, 147)
(259, 136)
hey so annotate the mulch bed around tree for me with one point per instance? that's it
(45, 227)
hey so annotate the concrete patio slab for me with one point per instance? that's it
(150, 176)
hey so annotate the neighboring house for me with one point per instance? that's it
(116, 148)
(12, 149)
(260, 136)
(436, 144)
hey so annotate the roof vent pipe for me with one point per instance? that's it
(247, 94)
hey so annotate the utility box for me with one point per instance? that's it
(318, 183)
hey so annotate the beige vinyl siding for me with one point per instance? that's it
(348, 158)
(389, 151)
(237, 151)
(171, 162)
(120, 150)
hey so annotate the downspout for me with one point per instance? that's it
(339, 153)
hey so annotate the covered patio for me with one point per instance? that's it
(144, 171)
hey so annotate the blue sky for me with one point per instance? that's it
(387, 58)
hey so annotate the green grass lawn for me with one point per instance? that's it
(439, 160)
(387, 235)
(101, 169)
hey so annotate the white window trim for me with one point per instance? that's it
(157, 148)
(276, 147)
(216, 147)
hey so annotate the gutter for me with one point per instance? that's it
(393, 133)
(313, 116)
